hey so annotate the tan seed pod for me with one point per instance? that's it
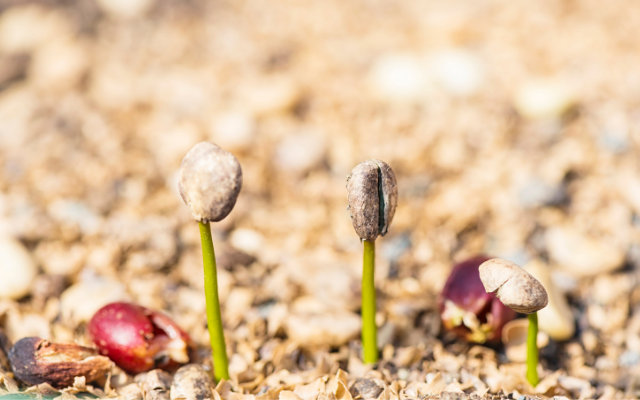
(372, 195)
(35, 361)
(210, 181)
(514, 286)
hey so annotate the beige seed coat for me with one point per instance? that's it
(369, 183)
(210, 181)
(514, 286)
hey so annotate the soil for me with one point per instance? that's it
(513, 129)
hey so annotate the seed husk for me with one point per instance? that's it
(35, 361)
(372, 197)
(514, 286)
(210, 181)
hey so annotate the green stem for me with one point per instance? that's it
(369, 329)
(214, 318)
(532, 350)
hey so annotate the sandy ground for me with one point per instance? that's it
(513, 128)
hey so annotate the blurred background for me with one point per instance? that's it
(513, 128)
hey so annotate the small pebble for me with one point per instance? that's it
(581, 255)
(59, 65)
(156, 384)
(191, 382)
(247, 240)
(331, 328)
(393, 248)
(458, 71)
(535, 193)
(70, 212)
(300, 152)
(399, 78)
(47, 286)
(125, 9)
(131, 392)
(24, 28)
(403, 374)
(556, 319)
(270, 96)
(366, 389)
(233, 130)
(58, 258)
(17, 269)
(80, 301)
(601, 289)
(629, 358)
(613, 141)
(544, 99)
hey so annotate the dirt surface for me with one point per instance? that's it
(513, 129)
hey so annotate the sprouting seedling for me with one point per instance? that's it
(372, 198)
(209, 183)
(520, 291)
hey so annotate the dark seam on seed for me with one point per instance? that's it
(381, 204)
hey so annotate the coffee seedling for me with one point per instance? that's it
(372, 197)
(521, 292)
(467, 310)
(209, 183)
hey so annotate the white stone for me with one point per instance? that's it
(237, 304)
(581, 255)
(17, 269)
(270, 96)
(80, 301)
(399, 78)
(247, 240)
(233, 130)
(75, 213)
(170, 141)
(556, 319)
(24, 28)
(57, 258)
(125, 9)
(544, 99)
(608, 288)
(332, 329)
(300, 152)
(28, 324)
(458, 71)
(59, 65)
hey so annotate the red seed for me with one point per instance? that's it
(138, 339)
(467, 309)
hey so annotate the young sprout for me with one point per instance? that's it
(467, 310)
(210, 180)
(372, 198)
(520, 291)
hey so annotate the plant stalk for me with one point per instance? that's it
(532, 350)
(369, 329)
(214, 318)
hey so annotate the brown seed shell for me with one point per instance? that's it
(514, 286)
(389, 188)
(363, 200)
(372, 196)
(35, 361)
(210, 181)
